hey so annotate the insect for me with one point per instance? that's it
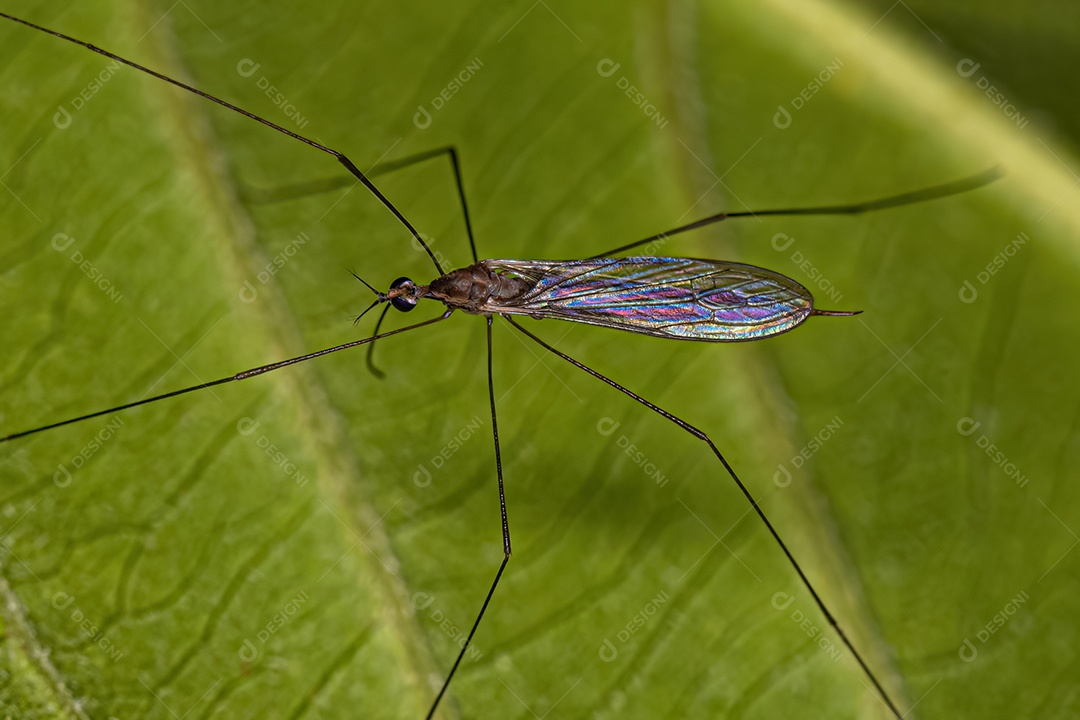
(403, 294)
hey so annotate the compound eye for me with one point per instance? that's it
(402, 302)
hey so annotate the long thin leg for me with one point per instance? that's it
(505, 532)
(498, 450)
(231, 378)
(455, 164)
(387, 167)
(339, 156)
(325, 185)
(700, 435)
(909, 198)
(319, 186)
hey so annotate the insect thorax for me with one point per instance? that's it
(475, 289)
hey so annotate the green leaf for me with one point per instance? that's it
(317, 542)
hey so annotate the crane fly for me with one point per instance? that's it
(675, 298)
(666, 297)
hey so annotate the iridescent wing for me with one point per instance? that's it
(679, 298)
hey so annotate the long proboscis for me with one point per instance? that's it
(936, 192)
(231, 378)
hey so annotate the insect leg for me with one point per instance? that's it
(392, 165)
(339, 156)
(222, 381)
(294, 191)
(909, 198)
(700, 435)
(505, 532)
(451, 152)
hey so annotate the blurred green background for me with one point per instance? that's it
(1027, 50)
(314, 543)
